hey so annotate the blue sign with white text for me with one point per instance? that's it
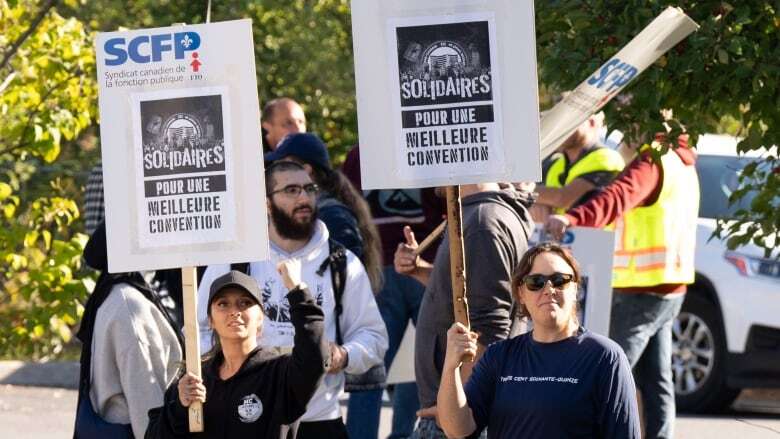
(150, 48)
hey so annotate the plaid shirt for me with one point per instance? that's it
(94, 210)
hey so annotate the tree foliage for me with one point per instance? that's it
(303, 49)
(47, 97)
(727, 69)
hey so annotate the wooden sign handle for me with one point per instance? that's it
(457, 260)
(430, 239)
(189, 288)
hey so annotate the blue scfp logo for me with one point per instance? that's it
(614, 74)
(149, 48)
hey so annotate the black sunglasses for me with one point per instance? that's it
(535, 282)
(294, 190)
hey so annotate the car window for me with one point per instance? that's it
(718, 178)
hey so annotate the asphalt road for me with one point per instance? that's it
(47, 413)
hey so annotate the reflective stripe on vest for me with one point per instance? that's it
(596, 160)
(655, 244)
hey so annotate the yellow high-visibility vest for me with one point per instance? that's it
(655, 244)
(597, 159)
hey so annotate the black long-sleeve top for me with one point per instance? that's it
(269, 389)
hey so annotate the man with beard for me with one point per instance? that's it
(578, 171)
(296, 233)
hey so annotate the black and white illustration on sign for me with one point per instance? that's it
(184, 173)
(447, 95)
(182, 135)
(444, 63)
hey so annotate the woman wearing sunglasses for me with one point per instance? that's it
(559, 380)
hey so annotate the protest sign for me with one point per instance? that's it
(180, 138)
(663, 33)
(459, 104)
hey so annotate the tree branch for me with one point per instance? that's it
(7, 81)
(21, 144)
(34, 25)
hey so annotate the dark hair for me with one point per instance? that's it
(338, 185)
(527, 262)
(276, 167)
(216, 345)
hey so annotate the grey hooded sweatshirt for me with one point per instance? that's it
(496, 227)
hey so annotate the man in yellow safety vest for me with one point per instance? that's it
(654, 205)
(577, 171)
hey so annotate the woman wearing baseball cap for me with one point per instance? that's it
(247, 390)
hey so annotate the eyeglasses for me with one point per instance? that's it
(535, 282)
(294, 190)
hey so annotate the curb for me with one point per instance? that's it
(64, 374)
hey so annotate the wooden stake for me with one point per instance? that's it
(189, 289)
(430, 238)
(457, 259)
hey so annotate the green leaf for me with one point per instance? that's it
(30, 238)
(38, 330)
(38, 133)
(5, 191)
(9, 210)
(723, 56)
(46, 239)
(51, 152)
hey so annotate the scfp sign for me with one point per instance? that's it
(149, 48)
(615, 73)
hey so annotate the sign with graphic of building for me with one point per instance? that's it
(180, 142)
(441, 116)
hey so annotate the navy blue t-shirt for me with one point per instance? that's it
(580, 387)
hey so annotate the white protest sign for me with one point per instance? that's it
(402, 369)
(593, 249)
(180, 139)
(663, 33)
(446, 92)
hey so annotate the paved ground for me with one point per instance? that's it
(47, 413)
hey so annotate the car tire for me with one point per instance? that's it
(699, 358)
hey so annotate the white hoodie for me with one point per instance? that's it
(362, 327)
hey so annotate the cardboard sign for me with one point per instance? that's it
(663, 33)
(593, 249)
(180, 137)
(459, 88)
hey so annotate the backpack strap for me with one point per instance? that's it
(337, 262)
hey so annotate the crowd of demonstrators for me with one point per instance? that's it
(496, 228)
(249, 390)
(340, 206)
(280, 117)
(296, 233)
(282, 335)
(578, 171)
(131, 349)
(654, 205)
(559, 380)
(399, 298)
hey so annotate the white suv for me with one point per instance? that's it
(727, 336)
